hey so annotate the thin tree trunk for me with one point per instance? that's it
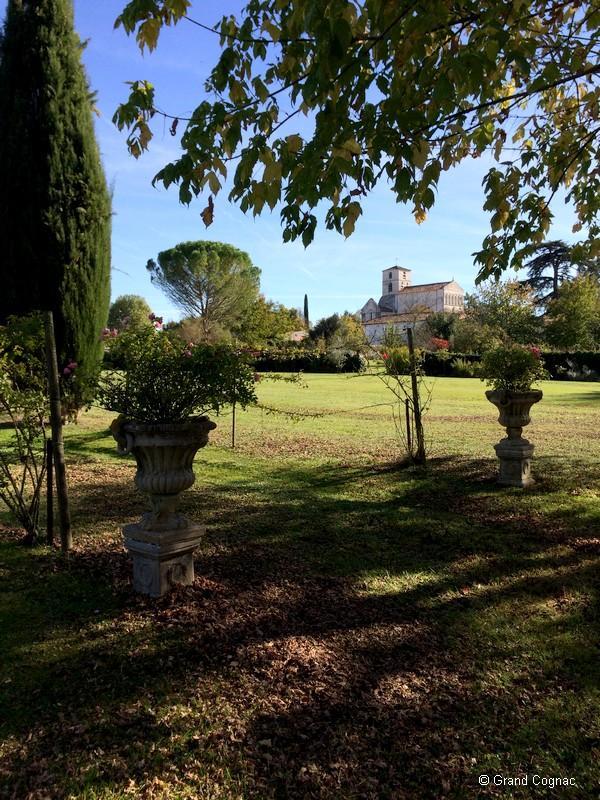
(66, 539)
(420, 457)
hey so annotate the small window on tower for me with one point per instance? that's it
(389, 288)
(390, 276)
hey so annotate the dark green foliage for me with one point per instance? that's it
(551, 265)
(54, 203)
(325, 328)
(442, 324)
(439, 365)
(306, 317)
(577, 366)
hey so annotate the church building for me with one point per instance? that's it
(403, 304)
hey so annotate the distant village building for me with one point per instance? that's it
(403, 305)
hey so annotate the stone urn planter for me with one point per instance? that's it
(163, 542)
(514, 452)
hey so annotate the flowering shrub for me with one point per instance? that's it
(512, 368)
(439, 344)
(23, 407)
(69, 369)
(156, 321)
(109, 333)
(165, 380)
(396, 360)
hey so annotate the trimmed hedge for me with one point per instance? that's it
(577, 366)
(439, 365)
(305, 361)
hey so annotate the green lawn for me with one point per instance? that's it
(356, 630)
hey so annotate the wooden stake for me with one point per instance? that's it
(408, 427)
(66, 538)
(420, 457)
(233, 426)
(49, 494)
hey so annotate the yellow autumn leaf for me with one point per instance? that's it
(213, 182)
(272, 172)
(220, 166)
(294, 143)
(352, 214)
(353, 146)
(420, 215)
(148, 34)
(271, 29)
(419, 153)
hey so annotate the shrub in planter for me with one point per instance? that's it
(511, 370)
(162, 380)
(161, 395)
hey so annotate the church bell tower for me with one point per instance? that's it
(394, 279)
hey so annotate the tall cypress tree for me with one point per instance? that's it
(54, 204)
(306, 311)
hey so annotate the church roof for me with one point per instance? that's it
(369, 301)
(417, 287)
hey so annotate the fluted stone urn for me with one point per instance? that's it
(163, 542)
(514, 452)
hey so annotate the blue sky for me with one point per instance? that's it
(337, 274)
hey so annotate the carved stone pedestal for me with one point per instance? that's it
(515, 462)
(514, 452)
(162, 559)
(163, 542)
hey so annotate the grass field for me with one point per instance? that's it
(356, 630)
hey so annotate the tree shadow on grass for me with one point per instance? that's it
(91, 444)
(351, 634)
